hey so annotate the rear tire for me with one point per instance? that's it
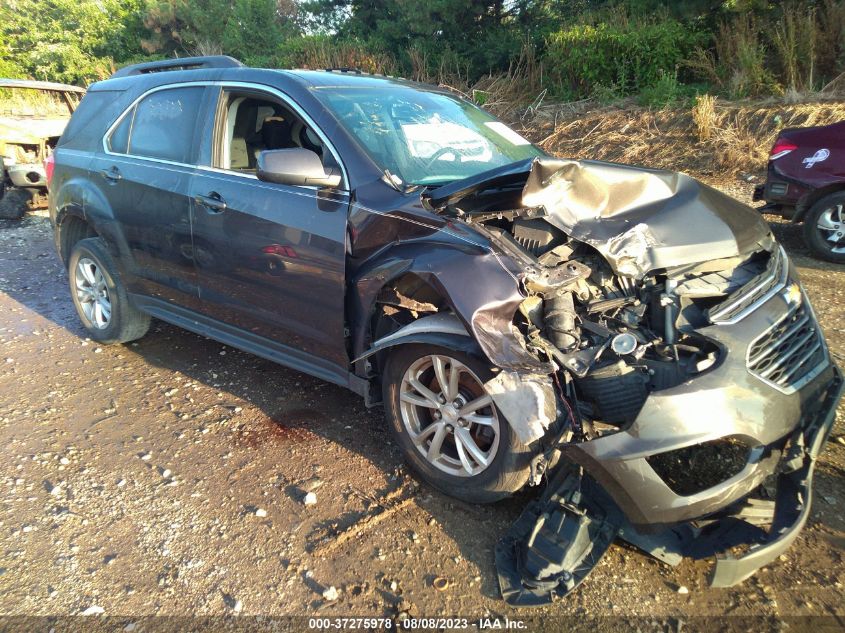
(824, 228)
(15, 203)
(100, 297)
(463, 444)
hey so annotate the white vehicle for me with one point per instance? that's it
(33, 115)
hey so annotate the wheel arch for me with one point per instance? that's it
(472, 284)
(806, 203)
(442, 329)
(71, 227)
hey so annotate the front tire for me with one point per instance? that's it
(100, 297)
(449, 430)
(824, 228)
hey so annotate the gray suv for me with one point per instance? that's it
(632, 338)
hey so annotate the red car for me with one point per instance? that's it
(806, 183)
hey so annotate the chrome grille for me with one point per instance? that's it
(760, 289)
(791, 352)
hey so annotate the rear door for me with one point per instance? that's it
(270, 258)
(144, 173)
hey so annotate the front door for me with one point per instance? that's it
(270, 258)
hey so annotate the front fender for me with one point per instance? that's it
(438, 329)
(480, 286)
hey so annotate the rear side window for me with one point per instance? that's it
(90, 120)
(160, 126)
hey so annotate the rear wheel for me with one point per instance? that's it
(100, 297)
(824, 228)
(447, 426)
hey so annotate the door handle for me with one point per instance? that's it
(213, 202)
(112, 174)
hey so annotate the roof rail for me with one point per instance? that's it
(344, 69)
(180, 63)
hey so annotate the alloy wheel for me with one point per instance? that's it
(831, 227)
(449, 417)
(93, 293)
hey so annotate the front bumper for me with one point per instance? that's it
(560, 538)
(728, 402)
(794, 492)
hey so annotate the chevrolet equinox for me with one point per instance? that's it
(631, 337)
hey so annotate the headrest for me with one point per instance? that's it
(275, 133)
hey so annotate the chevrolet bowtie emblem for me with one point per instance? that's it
(792, 294)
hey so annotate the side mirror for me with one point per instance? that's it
(297, 166)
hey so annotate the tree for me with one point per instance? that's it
(73, 41)
(246, 29)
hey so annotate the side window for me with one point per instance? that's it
(251, 123)
(119, 139)
(160, 126)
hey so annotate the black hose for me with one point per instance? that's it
(560, 321)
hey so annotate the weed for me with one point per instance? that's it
(704, 116)
(795, 44)
(663, 92)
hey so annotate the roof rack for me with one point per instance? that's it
(345, 69)
(180, 63)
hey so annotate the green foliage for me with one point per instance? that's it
(67, 40)
(603, 49)
(607, 94)
(249, 30)
(323, 51)
(629, 56)
(795, 43)
(480, 35)
(666, 91)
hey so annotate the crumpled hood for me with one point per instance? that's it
(639, 219)
(642, 219)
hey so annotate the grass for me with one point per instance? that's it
(708, 138)
(27, 102)
(704, 116)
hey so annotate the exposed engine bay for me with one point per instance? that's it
(617, 337)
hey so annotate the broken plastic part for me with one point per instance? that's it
(527, 402)
(441, 323)
(559, 538)
(557, 541)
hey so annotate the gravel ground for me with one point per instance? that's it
(168, 477)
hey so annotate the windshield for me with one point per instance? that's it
(425, 138)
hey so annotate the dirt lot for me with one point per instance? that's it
(166, 477)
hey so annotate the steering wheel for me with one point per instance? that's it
(442, 152)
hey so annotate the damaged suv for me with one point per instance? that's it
(32, 117)
(632, 337)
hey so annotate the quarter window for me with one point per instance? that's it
(160, 126)
(119, 139)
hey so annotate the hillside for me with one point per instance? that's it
(713, 141)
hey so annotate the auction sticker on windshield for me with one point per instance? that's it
(506, 133)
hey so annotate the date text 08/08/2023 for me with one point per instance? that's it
(410, 624)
